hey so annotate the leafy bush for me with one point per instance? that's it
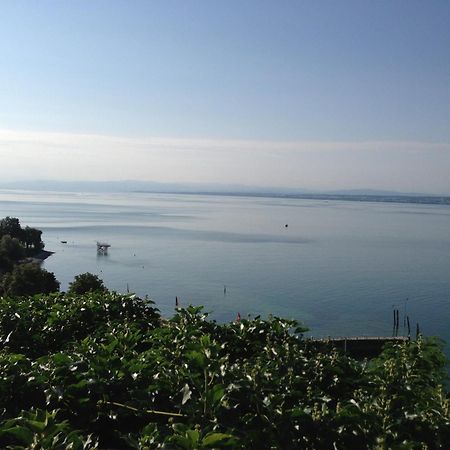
(37, 429)
(28, 279)
(86, 282)
(44, 324)
(110, 366)
(11, 251)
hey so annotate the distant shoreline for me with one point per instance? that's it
(413, 199)
(370, 197)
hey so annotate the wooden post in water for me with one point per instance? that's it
(409, 328)
(404, 314)
(396, 322)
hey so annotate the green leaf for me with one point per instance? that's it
(182, 441)
(187, 393)
(212, 439)
(20, 432)
(194, 436)
(197, 358)
(216, 394)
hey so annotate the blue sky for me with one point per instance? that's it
(335, 89)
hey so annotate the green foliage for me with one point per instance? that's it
(86, 282)
(28, 279)
(37, 429)
(113, 368)
(10, 226)
(30, 238)
(408, 397)
(16, 243)
(11, 251)
(188, 438)
(47, 324)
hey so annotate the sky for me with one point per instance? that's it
(299, 94)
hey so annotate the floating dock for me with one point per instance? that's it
(359, 346)
(102, 248)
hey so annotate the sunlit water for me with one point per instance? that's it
(339, 267)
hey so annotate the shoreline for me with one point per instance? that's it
(39, 257)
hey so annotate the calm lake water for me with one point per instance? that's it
(339, 267)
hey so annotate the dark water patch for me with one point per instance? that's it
(429, 212)
(180, 233)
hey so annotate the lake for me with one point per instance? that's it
(339, 267)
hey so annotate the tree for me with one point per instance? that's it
(28, 279)
(32, 239)
(11, 226)
(86, 282)
(11, 251)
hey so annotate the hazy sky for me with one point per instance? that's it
(313, 94)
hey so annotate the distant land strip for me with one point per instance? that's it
(416, 199)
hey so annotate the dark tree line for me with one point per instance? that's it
(16, 243)
(28, 279)
(21, 278)
(29, 238)
(11, 251)
(17, 277)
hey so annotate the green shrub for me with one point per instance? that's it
(114, 369)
